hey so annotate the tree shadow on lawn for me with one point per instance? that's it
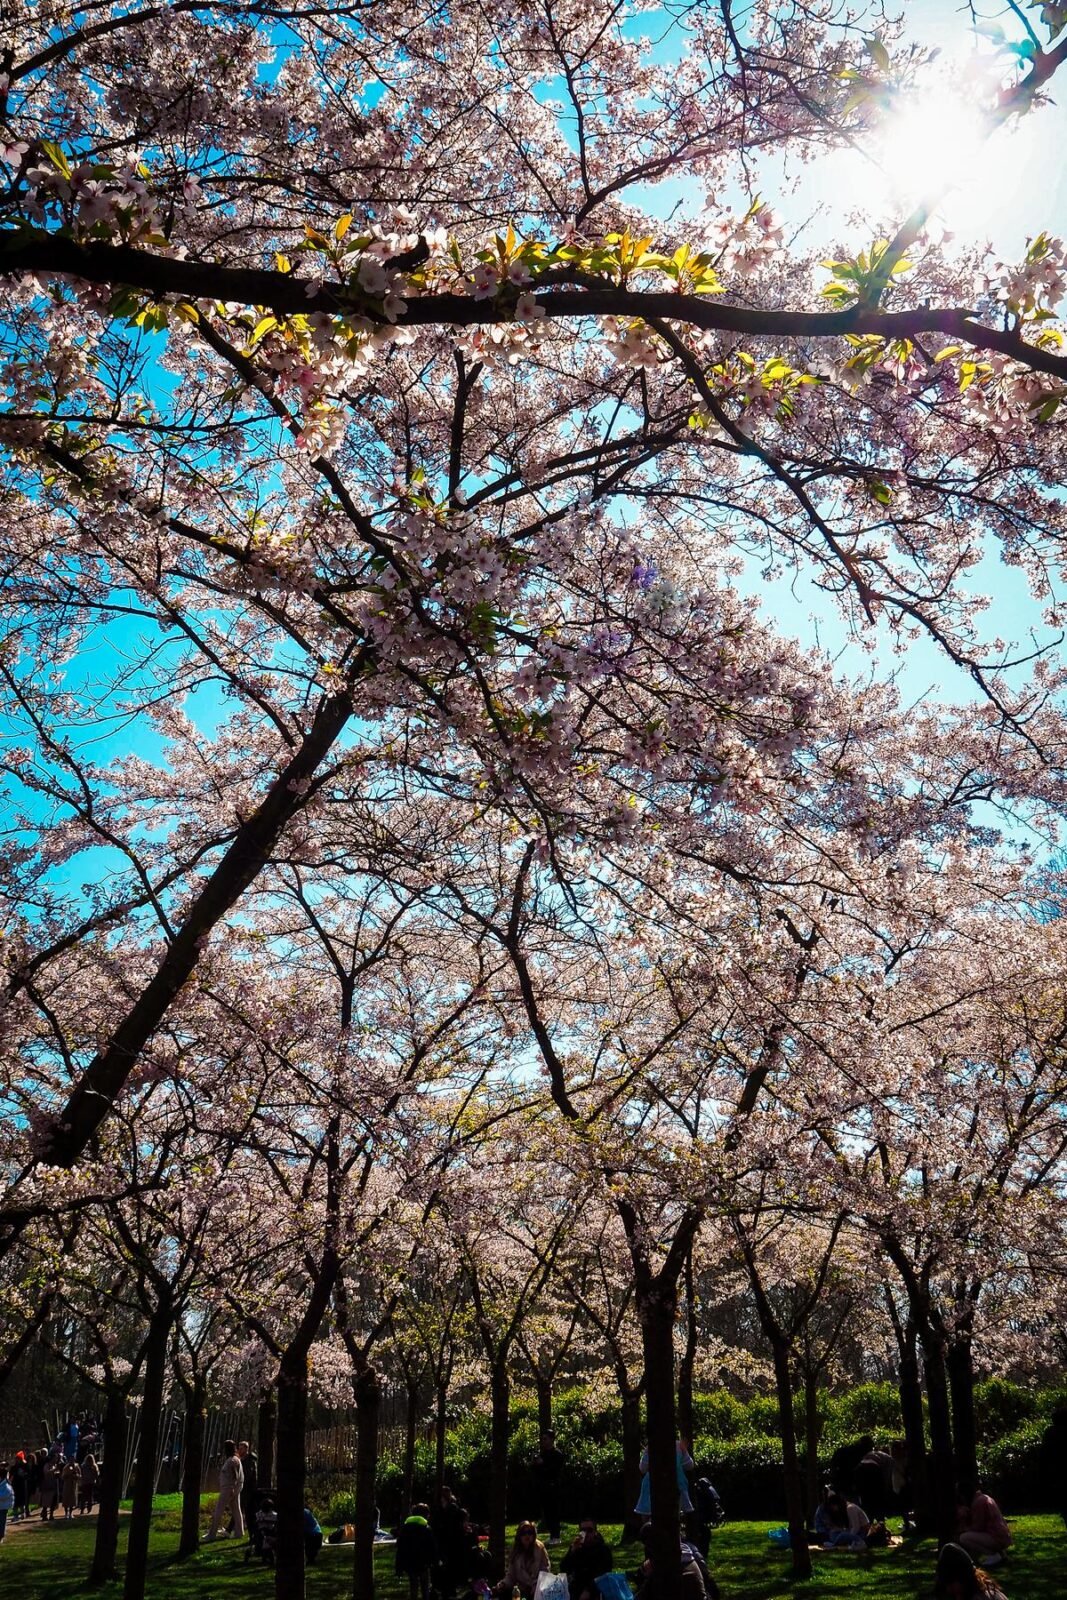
(53, 1562)
(1035, 1569)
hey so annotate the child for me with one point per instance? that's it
(416, 1552)
(267, 1527)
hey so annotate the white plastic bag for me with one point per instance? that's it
(552, 1586)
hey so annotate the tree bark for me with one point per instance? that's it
(911, 1411)
(192, 1465)
(812, 1432)
(109, 1488)
(942, 1455)
(500, 1391)
(266, 1428)
(689, 1354)
(440, 1430)
(960, 1363)
(291, 1474)
(368, 1405)
(656, 1309)
(144, 1478)
(794, 1490)
(630, 1395)
(544, 1403)
(411, 1417)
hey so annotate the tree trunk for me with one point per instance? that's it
(960, 1363)
(500, 1390)
(689, 1354)
(266, 1428)
(411, 1397)
(144, 1478)
(292, 1442)
(439, 1431)
(656, 1308)
(812, 1432)
(794, 1490)
(630, 1395)
(544, 1403)
(368, 1405)
(942, 1456)
(192, 1465)
(911, 1411)
(109, 1488)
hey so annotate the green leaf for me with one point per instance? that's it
(56, 157)
(878, 53)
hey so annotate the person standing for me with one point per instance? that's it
(416, 1552)
(7, 1499)
(70, 1486)
(249, 1487)
(49, 1488)
(683, 1463)
(231, 1481)
(548, 1469)
(873, 1477)
(90, 1477)
(20, 1483)
(451, 1527)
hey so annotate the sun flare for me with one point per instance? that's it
(931, 144)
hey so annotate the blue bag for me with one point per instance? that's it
(614, 1586)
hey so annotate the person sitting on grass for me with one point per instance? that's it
(588, 1558)
(839, 1524)
(983, 1533)
(416, 1552)
(957, 1577)
(693, 1585)
(312, 1537)
(528, 1558)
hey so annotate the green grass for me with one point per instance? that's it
(52, 1561)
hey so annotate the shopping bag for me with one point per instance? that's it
(614, 1586)
(552, 1586)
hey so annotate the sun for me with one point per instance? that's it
(932, 144)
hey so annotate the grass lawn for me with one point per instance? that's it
(52, 1561)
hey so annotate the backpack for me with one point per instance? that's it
(707, 1504)
(877, 1536)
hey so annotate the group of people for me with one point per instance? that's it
(47, 1481)
(246, 1505)
(439, 1550)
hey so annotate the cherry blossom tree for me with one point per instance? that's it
(355, 442)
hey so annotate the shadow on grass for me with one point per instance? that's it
(52, 1562)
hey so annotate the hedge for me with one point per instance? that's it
(736, 1444)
